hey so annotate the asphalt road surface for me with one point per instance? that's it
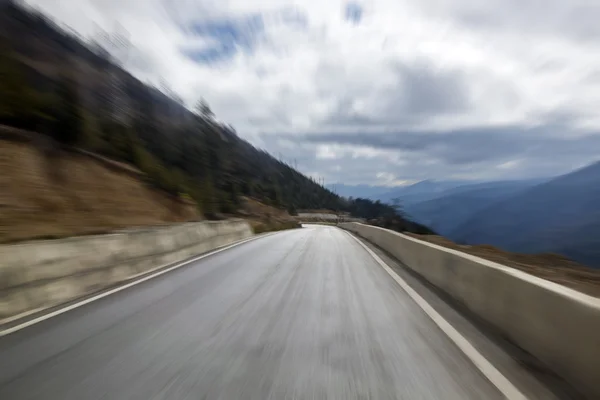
(302, 314)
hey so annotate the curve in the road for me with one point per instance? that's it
(301, 314)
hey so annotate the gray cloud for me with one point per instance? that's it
(522, 73)
(419, 91)
(508, 152)
(576, 19)
(471, 145)
(422, 91)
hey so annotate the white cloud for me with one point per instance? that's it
(509, 164)
(326, 152)
(388, 179)
(403, 66)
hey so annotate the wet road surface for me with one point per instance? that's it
(302, 314)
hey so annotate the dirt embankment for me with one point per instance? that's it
(49, 193)
(552, 267)
(265, 218)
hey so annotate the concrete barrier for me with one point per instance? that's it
(41, 274)
(558, 325)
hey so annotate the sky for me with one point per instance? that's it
(379, 92)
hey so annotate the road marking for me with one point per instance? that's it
(63, 310)
(487, 369)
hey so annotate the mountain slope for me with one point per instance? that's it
(76, 92)
(455, 206)
(561, 216)
(120, 117)
(419, 192)
(72, 193)
(358, 191)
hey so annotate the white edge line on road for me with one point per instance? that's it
(63, 310)
(487, 369)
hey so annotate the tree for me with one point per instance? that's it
(120, 141)
(20, 105)
(69, 123)
(92, 134)
(116, 47)
(209, 198)
(292, 210)
(274, 195)
(397, 206)
(203, 110)
(234, 194)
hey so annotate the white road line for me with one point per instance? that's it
(491, 373)
(44, 317)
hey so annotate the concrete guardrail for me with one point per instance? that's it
(41, 274)
(558, 325)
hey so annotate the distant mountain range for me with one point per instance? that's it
(420, 191)
(356, 191)
(547, 215)
(456, 205)
(561, 216)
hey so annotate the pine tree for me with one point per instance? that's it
(209, 197)
(203, 110)
(234, 195)
(69, 123)
(292, 210)
(18, 106)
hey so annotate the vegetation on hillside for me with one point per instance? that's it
(78, 94)
(48, 196)
(386, 216)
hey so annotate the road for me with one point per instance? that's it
(302, 314)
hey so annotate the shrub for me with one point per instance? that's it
(275, 226)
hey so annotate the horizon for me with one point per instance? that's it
(466, 182)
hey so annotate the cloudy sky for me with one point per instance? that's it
(378, 91)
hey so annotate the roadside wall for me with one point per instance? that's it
(41, 274)
(324, 217)
(559, 326)
(317, 217)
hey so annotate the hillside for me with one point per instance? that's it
(49, 194)
(560, 216)
(48, 73)
(418, 192)
(75, 91)
(264, 218)
(444, 214)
